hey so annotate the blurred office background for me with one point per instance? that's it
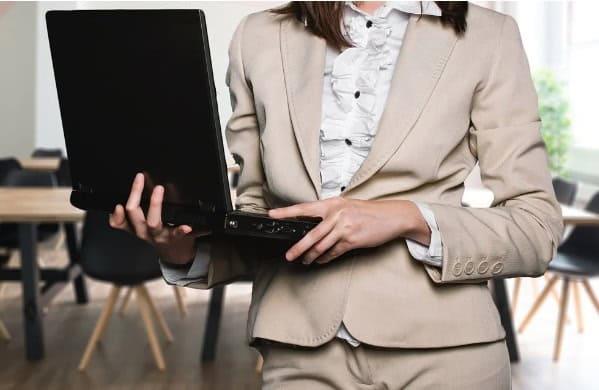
(562, 42)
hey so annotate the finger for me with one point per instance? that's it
(182, 230)
(154, 217)
(333, 253)
(322, 247)
(117, 219)
(310, 239)
(310, 209)
(136, 215)
(136, 190)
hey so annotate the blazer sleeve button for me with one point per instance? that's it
(469, 268)
(457, 269)
(483, 267)
(497, 268)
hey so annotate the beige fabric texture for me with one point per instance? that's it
(453, 101)
(339, 366)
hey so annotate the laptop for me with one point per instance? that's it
(137, 94)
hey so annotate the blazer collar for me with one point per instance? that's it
(409, 7)
(424, 53)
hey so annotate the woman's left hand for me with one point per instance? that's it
(350, 224)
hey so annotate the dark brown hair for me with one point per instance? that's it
(323, 18)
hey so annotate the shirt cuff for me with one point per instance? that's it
(196, 271)
(433, 253)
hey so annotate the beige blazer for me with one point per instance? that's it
(453, 101)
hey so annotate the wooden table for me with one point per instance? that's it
(41, 164)
(575, 216)
(29, 207)
(480, 198)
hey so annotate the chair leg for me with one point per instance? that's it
(213, 318)
(144, 308)
(60, 240)
(125, 301)
(100, 326)
(589, 289)
(515, 295)
(553, 293)
(537, 304)
(563, 308)
(577, 306)
(180, 302)
(555, 297)
(157, 314)
(4, 334)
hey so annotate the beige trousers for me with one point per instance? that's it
(337, 365)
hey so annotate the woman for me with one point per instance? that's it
(331, 121)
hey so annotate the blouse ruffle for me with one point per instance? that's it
(354, 76)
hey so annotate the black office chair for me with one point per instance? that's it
(44, 152)
(577, 261)
(123, 260)
(20, 178)
(63, 174)
(7, 165)
(565, 190)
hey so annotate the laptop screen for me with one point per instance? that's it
(136, 95)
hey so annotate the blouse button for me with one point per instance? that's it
(357, 94)
(342, 188)
(347, 142)
(369, 24)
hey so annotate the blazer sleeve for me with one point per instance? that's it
(224, 259)
(519, 234)
(242, 131)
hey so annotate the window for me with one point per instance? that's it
(584, 73)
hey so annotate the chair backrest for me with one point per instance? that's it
(63, 174)
(565, 190)
(8, 165)
(43, 152)
(115, 256)
(24, 178)
(584, 240)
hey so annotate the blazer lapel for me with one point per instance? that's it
(423, 55)
(303, 56)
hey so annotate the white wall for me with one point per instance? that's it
(48, 126)
(17, 78)
(222, 18)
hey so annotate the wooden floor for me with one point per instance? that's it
(124, 361)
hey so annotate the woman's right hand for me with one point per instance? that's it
(174, 244)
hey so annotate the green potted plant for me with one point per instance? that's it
(555, 117)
